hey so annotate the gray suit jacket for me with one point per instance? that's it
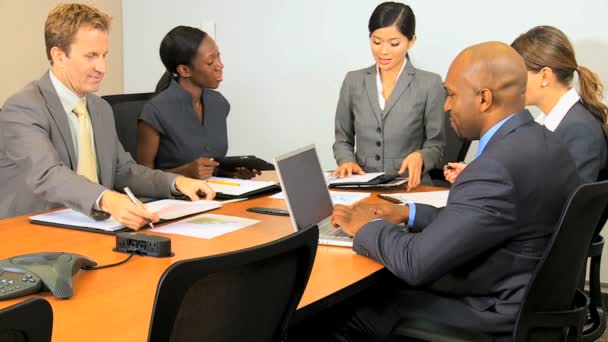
(412, 120)
(580, 131)
(37, 158)
(483, 247)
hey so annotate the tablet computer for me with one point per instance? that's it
(250, 162)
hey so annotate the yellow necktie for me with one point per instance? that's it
(87, 162)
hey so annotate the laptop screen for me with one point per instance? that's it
(303, 183)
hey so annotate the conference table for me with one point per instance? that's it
(115, 304)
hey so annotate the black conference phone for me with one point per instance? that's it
(30, 273)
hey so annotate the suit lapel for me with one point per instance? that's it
(403, 82)
(372, 92)
(58, 114)
(103, 157)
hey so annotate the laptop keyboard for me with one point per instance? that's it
(331, 231)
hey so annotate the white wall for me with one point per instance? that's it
(285, 60)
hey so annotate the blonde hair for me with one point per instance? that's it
(64, 21)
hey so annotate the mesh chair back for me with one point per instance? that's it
(28, 321)
(126, 110)
(555, 282)
(247, 295)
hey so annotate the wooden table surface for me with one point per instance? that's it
(115, 304)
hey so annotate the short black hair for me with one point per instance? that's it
(179, 46)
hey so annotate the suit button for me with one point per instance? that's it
(378, 143)
(377, 157)
(379, 130)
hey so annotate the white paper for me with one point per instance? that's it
(207, 226)
(435, 198)
(170, 209)
(236, 187)
(353, 178)
(69, 217)
(337, 197)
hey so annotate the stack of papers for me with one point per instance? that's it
(435, 198)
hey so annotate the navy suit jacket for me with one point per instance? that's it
(582, 134)
(483, 247)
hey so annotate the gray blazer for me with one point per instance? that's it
(412, 120)
(581, 132)
(37, 158)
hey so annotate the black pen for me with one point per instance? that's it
(389, 198)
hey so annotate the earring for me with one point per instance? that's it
(544, 84)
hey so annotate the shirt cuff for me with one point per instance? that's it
(412, 217)
(174, 190)
(96, 206)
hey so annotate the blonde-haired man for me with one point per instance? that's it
(58, 142)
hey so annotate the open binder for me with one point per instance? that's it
(167, 210)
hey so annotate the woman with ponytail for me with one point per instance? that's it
(578, 118)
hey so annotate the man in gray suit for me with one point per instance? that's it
(58, 142)
(472, 259)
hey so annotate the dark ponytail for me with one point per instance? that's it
(591, 91)
(164, 82)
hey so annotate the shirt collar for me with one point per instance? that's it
(67, 97)
(483, 142)
(176, 90)
(559, 111)
(379, 80)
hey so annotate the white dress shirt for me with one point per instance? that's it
(559, 111)
(381, 100)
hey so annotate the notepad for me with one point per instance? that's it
(167, 209)
(337, 197)
(434, 198)
(365, 178)
(368, 180)
(228, 188)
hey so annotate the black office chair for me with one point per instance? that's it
(126, 109)
(455, 151)
(552, 305)
(596, 320)
(247, 295)
(28, 321)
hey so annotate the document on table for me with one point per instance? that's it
(434, 198)
(207, 226)
(353, 178)
(237, 187)
(337, 197)
(170, 209)
(167, 209)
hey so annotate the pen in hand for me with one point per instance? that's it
(137, 203)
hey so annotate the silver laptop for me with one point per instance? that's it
(308, 199)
